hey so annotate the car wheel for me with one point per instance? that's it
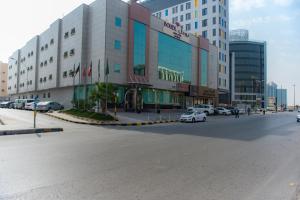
(207, 113)
(193, 120)
(204, 119)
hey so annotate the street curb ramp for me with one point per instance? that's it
(30, 131)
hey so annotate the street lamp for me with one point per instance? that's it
(294, 96)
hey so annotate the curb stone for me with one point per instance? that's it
(29, 131)
(117, 124)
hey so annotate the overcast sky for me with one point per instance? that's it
(276, 21)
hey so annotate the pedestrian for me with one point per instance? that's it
(237, 113)
(264, 111)
(248, 111)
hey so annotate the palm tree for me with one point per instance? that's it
(99, 94)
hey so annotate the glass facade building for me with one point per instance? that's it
(204, 68)
(174, 59)
(248, 63)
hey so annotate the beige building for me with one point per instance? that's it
(3, 79)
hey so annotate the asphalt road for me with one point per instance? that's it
(251, 158)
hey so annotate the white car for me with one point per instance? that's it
(193, 116)
(223, 111)
(207, 109)
(298, 118)
(29, 106)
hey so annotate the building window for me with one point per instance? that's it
(65, 74)
(117, 68)
(45, 63)
(44, 95)
(49, 95)
(187, 16)
(204, 2)
(65, 54)
(204, 23)
(45, 79)
(46, 46)
(166, 12)
(73, 31)
(204, 34)
(72, 52)
(181, 7)
(174, 20)
(117, 44)
(50, 77)
(214, 32)
(196, 25)
(42, 64)
(188, 27)
(204, 11)
(51, 59)
(214, 20)
(188, 6)
(118, 22)
(181, 18)
(66, 35)
(42, 48)
(175, 10)
(139, 51)
(51, 41)
(41, 80)
(214, 9)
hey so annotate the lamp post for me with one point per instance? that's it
(294, 96)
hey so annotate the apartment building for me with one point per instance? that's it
(3, 79)
(151, 61)
(208, 18)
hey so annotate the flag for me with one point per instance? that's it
(84, 72)
(89, 72)
(77, 70)
(107, 68)
(99, 70)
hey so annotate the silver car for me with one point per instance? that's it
(49, 105)
(298, 118)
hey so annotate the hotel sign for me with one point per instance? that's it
(176, 31)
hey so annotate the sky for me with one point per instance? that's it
(274, 21)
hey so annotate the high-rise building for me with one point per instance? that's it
(209, 18)
(248, 70)
(282, 98)
(272, 95)
(3, 80)
(150, 61)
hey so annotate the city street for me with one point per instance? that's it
(252, 158)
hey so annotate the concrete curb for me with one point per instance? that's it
(30, 131)
(117, 124)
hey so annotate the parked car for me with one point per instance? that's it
(19, 104)
(242, 111)
(193, 116)
(298, 118)
(232, 109)
(49, 105)
(223, 111)
(207, 109)
(30, 105)
(6, 104)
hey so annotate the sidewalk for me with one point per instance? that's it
(124, 119)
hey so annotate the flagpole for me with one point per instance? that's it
(74, 86)
(79, 84)
(99, 70)
(106, 90)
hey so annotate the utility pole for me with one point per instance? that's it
(294, 96)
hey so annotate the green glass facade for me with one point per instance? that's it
(163, 97)
(204, 68)
(174, 59)
(139, 52)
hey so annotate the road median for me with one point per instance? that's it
(29, 131)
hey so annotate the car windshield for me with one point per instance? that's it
(188, 113)
(44, 103)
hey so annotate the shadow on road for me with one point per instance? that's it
(245, 129)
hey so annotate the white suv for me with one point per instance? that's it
(207, 109)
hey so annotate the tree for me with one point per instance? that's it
(99, 94)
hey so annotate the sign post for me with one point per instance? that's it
(34, 111)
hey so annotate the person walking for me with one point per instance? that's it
(237, 113)
(248, 111)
